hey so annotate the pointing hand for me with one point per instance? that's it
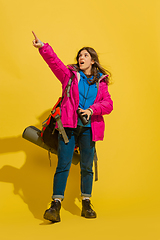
(36, 42)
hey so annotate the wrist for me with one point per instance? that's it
(90, 109)
(42, 44)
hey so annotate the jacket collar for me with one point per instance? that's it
(78, 74)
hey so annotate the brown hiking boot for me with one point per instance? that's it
(87, 211)
(53, 213)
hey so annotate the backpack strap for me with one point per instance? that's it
(69, 86)
(56, 112)
(95, 159)
(67, 89)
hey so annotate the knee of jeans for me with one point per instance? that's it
(86, 166)
(63, 168)
(86, 170)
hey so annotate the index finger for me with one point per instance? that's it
(35, 35)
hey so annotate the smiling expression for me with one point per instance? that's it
(85, 62)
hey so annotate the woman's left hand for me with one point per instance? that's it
(85, 112)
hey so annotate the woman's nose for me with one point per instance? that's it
(82, 56)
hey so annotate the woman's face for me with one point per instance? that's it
(85, 62)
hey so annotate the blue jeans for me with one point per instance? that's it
(83, 136)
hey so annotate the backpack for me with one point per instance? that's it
(47, 138)
(49, 133)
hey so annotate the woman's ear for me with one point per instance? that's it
(92, 61)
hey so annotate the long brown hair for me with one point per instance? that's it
(96, 67)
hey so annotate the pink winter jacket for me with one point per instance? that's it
(102, 104)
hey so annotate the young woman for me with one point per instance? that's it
(89, 95)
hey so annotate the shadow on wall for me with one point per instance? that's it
(33, 181)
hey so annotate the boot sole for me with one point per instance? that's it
(51, 218)
(83, 215)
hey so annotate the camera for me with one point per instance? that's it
(82, 117)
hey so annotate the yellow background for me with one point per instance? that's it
(126, 35)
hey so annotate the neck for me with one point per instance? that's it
(87, 72)
(88, 76)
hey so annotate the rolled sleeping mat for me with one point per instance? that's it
(33, 134)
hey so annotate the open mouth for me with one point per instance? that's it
(81, 63)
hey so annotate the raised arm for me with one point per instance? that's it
(56, 65)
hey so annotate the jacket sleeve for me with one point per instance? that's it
(56, 65)
(103, 105)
